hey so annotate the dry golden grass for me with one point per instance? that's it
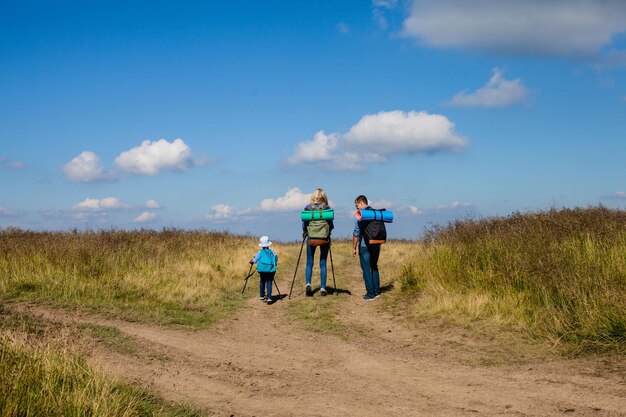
(42, 373)
(190, 278)
(558, 275)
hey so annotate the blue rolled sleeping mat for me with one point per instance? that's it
(368, 215)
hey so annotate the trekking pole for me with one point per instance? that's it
(332, 268)
(297, 264)
(276, 285)
(246, 279)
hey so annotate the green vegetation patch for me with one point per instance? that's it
(112, 337)
(557, 274)
(43, 382)
(316, 314)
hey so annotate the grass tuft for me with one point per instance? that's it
(40, 381)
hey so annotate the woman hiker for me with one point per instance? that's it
(317, 233)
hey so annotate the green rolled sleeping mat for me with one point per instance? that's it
(308, 215)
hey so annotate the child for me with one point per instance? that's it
(267, 261)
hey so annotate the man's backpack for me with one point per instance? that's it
(318, 229)
(267, 261)
(373, 231)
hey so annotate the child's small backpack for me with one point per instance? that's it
(267, 261)
(318, 229)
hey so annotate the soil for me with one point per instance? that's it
(262, 362)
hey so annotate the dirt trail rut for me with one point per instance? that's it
(262, 363)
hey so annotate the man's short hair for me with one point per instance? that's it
(361, 199)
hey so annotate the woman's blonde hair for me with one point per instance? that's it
(319, 196)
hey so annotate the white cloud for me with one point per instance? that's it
(376, 137)
(221, 212)
(536, 27)
(616, 194)
(456, 205)
(152, 204)
(144, 217)
(294, 199)
(397, 132)
(86, 167)
(5, 211)
(415, 210)
(93, 204)
(383, 203)
(151, 157)
(321, 148)
(7, 163)
(497, 93)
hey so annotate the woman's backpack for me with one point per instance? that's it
(318, 229)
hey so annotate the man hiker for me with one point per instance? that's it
(368, 253)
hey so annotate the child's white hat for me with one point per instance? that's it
(264, 242)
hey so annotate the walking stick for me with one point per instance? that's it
(277, 289)
(297, 264)
(332, 267)
(246, 278)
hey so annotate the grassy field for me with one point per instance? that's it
(557, 275)
(189, 278)
(168, 277)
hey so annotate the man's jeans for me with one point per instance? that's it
(310, 257)
(368, 255)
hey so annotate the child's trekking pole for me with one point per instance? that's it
(297, 263)
(250, 273)
(332, 268)
(277, 289)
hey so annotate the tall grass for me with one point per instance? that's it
(557, 274)
(172, 276)
(42, 373)
(39, 381)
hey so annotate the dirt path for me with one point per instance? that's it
(262, 363)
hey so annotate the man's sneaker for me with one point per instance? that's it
(368, 297)
(309, 291)
(323, 292)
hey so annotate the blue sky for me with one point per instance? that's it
(227, 115)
